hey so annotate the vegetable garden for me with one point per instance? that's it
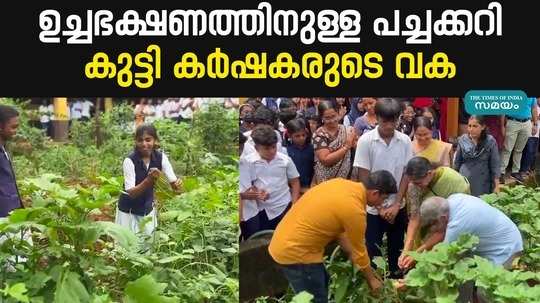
(67, 245)
(439, 273)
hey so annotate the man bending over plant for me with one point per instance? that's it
(332, 210)
(499, 238)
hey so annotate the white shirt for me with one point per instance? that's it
(372, 153)
(159, 111)
(129, 171)
(249, 146)
(273, 177)
(174, 108)
(165, 108)
(86, 105)
(76, 110)
(45, 114)
(186, 113)
(50, 108)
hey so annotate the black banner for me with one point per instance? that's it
(274, 48)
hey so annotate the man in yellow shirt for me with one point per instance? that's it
(332, 210)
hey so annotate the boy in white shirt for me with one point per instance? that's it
(269, 184)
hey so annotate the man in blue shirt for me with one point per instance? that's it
(518, 129)
(500, 239)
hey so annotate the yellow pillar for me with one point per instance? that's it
(60, 109)
(108, 104)
(452, 117)
(60, 123)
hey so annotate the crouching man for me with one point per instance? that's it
(499, 238)
(332, 210)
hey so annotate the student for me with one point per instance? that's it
(262, 116)
(384, 148)
(9, 193)
(45, 116)
(186, 110)
(159, 110)
(301, 152)
(477, 158)
(405, 124)
(142, 169)
(333, 210)
(429, 113)
(149, 112)
(273, 176)
(76, 110)
(356, 111)
(368, 121)
(86, 108)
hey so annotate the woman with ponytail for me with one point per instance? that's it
(477, 157)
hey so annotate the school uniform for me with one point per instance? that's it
(273, 177)
(132, 210)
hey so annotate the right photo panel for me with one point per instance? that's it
(387, 199)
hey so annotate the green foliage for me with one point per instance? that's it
(146, 289)
(439, 273)
(522, 205)
(68, 256)
(218, 129)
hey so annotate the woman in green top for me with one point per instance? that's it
(442, 182)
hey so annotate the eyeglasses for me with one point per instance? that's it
(332, 119)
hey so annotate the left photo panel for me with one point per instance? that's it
(119, 199)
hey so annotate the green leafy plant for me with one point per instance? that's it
(522, 205)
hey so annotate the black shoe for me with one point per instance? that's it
(517, 176)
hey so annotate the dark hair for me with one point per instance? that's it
(312, 116)
(422, 121)
(483, 135)
(264, 135)
(405, 104)
(285, 103)
(6, 113)
(383, 181)
(325, 105)
(254, 102)
(286, 115)
(148, 129)
(245, 105)
(433, 113)
(388, 109)
(249, 117)
(418, 167)
(264, 115)
(295, 125)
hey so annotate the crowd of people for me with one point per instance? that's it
(351, 170)
(178, 109)
(146, 110)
